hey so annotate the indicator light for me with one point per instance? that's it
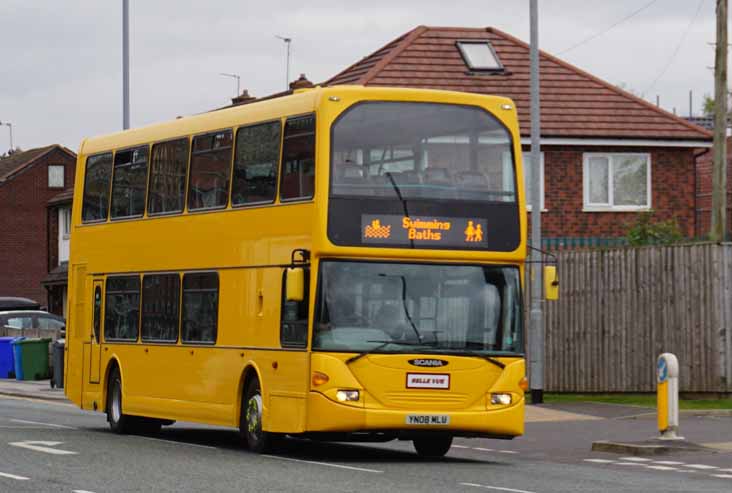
(524, 384)
(319, 378)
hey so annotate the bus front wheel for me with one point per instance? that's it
(432, 446)
(250, 421)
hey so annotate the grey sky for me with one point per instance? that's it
(61, 60)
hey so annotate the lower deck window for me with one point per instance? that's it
(200, 307)
(160, 300)
(122, 308)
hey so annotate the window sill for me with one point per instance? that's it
(615, 209)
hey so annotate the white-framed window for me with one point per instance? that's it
(64, 233)
(56, 176)
(616, 182)
(66, 222)
(528, 180)
(526, 160)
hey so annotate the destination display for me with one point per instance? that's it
(392, 229)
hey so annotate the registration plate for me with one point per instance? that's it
(428, 419)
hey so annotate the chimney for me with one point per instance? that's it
(242, 98)
(301, 83)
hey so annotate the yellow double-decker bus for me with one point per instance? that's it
(341, 263)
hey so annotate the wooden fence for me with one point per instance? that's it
(620, 308)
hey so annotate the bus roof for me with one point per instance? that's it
(302, 101)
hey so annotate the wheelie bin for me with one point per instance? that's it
(57, 380)
(31, 358)
(7, 360)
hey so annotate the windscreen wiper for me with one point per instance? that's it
(476, 354)
(401, 199)
(381, 346)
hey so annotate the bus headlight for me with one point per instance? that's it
(501, 399)
(348, 395)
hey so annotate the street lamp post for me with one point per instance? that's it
(287, 41)
(238, 81)
(10, 127)
(536, 314)
(125, 64)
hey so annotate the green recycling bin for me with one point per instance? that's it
(33, 358)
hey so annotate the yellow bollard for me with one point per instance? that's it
(667, 373)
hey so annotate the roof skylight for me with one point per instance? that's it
(479, 55)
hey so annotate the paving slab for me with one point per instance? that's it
(35, 389)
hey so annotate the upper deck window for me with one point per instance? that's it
(422, 151)
(479, 55)
(168, 177)
(96, 187)
(298, 159)
(255, 164)
(208, 186)
(128, 187)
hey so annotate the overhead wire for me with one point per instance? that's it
(676, 50)
(597, 35)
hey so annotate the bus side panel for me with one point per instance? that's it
(75, 334)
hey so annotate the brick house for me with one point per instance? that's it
(58, 237)
(606, 154)
(704, 190)
(28, 180)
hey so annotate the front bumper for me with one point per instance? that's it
(327, 416)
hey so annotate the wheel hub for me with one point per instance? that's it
(254, 414)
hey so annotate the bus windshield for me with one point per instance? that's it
(422, 150)
(419, 307)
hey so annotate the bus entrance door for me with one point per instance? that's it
(95, 350)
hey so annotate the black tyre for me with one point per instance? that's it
(118, 421)
(432, 446)
(250, 421)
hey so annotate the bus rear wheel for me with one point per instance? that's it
(250, 420)
(432, 446)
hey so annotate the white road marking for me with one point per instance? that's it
(498, 488)
(82, 491)
(723, 476)
(484, 449)
(175, 443)
(42, 446)
(634, 459)
(668, 462)
(460, 446)
(600, 461)
(629, 464)
(662, 468)
(328, 464)
(25, 421)
(700, 466)
(507, 452)
(726, 470)
(13, 476)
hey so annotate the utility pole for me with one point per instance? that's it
(125, 64)
(10, 127)
(536, 314)
(288, 42)
(718, 228)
